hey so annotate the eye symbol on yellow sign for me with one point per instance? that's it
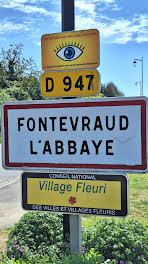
(69, 52)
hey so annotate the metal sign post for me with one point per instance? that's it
(68, 23)
(71, 225)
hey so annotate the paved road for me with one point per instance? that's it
(7, 175)
(10, 196)
(10, 204)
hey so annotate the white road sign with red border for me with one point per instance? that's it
(92, 134)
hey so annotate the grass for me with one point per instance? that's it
(138, 198)
(138, 184)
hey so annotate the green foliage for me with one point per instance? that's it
(37, 238)
(3, 82)
(31, 85)
(139, 197)
(40, 259)
(138, 182)
(15, 65)
(5, 97)
(17, 94)
(110, 90)
(120, 240)
(90, 258)
(19, 77)
(36, 234)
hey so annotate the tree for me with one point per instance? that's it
(19, 76)
(4, 96)
(3, 82)
(15, 65)
(31, 85)
(111, 90)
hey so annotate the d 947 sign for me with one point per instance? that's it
(70, 83)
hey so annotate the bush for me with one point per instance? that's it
(36, 234)
(90, 258)
(17, 93)
(38, 238)
(124, 241)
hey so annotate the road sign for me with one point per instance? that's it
(70, 83)
(96, 194)
(70, 50)
(92, 134)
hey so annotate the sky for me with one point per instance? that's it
(123, 27)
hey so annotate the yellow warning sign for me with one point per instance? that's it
(70, 50)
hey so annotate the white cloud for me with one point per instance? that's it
(14, 3)
(21, 5)
(142, 34)
(142, 37)
(85, 6)
(89, 14)
(119, 30)
(116, 31)
(90, 5)
(33, 9)
(98, 1)
(19, 2)
(109, 1)
(85, 23)
(122, 30)
(7, 27)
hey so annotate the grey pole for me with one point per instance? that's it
(68, 15)
(134, 62)
(142, 75)
(75, 234)
(71, 223)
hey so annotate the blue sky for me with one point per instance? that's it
(123, 27)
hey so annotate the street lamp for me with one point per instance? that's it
(136, 83)
(134, 63)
